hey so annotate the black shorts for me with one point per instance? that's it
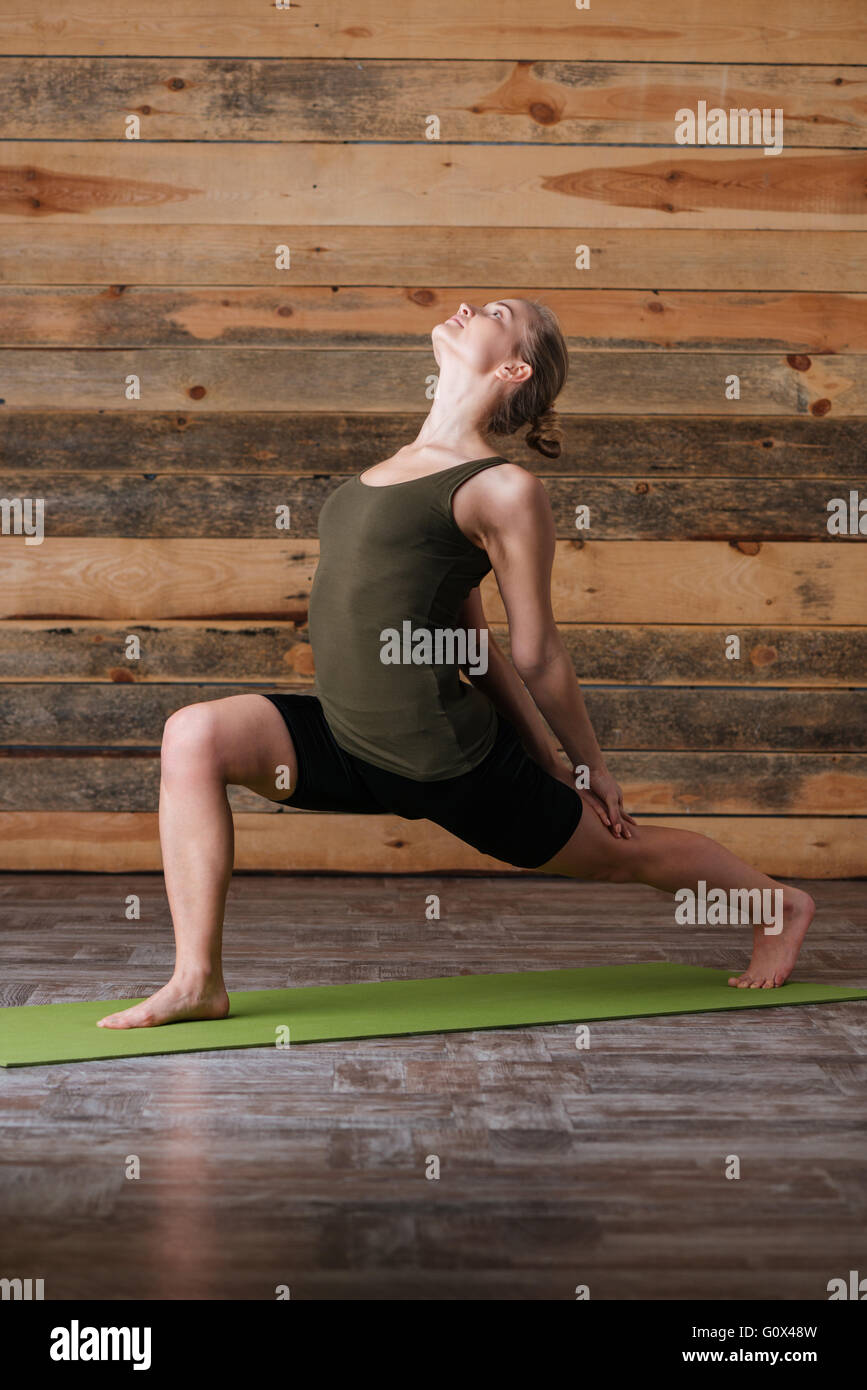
(508, 806)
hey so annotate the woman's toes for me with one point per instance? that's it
(127, 1018)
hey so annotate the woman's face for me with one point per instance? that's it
(484, 337)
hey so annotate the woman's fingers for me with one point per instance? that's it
(598, 806)
(611, 813)
(619, 817)
(614, 814)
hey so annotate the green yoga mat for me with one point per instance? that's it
(259, 1018)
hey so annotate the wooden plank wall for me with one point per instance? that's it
(261, 386)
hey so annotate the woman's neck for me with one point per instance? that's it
(455, 421)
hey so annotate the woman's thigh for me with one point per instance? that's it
(243, 738)
(592, 852)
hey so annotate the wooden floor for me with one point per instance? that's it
(559, 1167)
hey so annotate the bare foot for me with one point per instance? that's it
(176, 1001)
(774, 956)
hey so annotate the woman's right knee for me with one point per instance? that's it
(190, 741)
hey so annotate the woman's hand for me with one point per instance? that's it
(603, 794)
(606, 799)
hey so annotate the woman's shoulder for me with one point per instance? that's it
(512, 483)
(498, 497)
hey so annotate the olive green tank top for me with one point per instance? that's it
(394, 569)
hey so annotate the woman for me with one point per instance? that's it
(395, 614)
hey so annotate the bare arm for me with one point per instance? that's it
(511, 518)
(505, 689)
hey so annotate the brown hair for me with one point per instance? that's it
(543, 347)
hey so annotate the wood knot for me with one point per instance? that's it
(424, 297)
(820, 407)
(197, 392)
(800, 362)
(543, 114)
(746, 547)
(763, 656)
(299, 659)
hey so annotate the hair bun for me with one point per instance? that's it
(545, 434)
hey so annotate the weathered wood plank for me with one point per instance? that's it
(123, 842)
(657, 783)
(126, 182)
(245, 505)
(357, 317)
(60, 714)
(375, 29)
(200, 379)
(673, 258)
(181, 651)
(548, 102)
(268, 442)
(254, 653)
(665, 582)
